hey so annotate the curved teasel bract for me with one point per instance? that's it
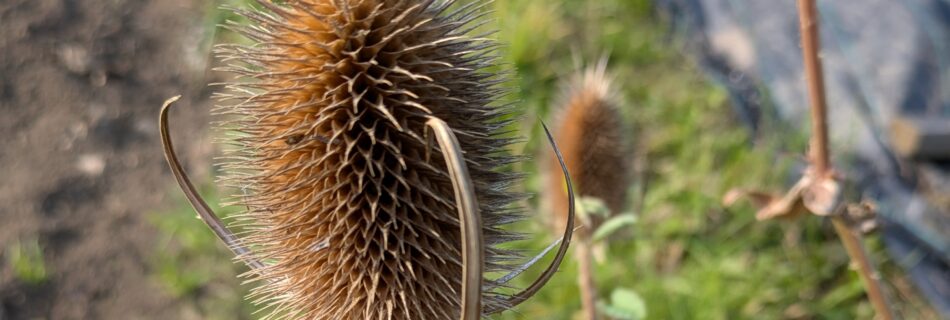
(351, 213)
(201, 207)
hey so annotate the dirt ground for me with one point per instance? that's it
(81, 83)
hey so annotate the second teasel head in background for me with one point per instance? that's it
(596, 143)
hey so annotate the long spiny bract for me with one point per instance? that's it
(349, 205)
(593, 139)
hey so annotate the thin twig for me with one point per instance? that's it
(821, 161)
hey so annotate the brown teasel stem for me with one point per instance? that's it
(204, 211)
(585, 261)
(808, 21)
(870, 276)
(473, 245)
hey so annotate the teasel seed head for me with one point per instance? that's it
(594, 140)
(351, 212)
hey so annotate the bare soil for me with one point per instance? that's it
(81, 83)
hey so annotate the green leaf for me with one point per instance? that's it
(628, 302)
(591, 206)
(613, 224)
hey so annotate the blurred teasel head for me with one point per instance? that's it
(353, 210)
(594, 140)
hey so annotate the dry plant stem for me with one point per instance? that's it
(204, 211)
(808, 19)
(473, 246)
(585, 277)
(808, 22)
(870, 276)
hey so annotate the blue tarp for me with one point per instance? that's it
(882, 59)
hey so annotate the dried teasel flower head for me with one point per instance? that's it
(594, 140)
(350, 214)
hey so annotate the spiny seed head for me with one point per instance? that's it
(349, 205)
(593, 139)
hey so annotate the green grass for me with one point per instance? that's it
(25, 259)
(686, 257)
(193, 265)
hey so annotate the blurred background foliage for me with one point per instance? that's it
(686, 257)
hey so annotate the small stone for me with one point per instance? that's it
(75, 58)
(98, 78)
(91, 164)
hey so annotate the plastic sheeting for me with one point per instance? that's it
(882, 59)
